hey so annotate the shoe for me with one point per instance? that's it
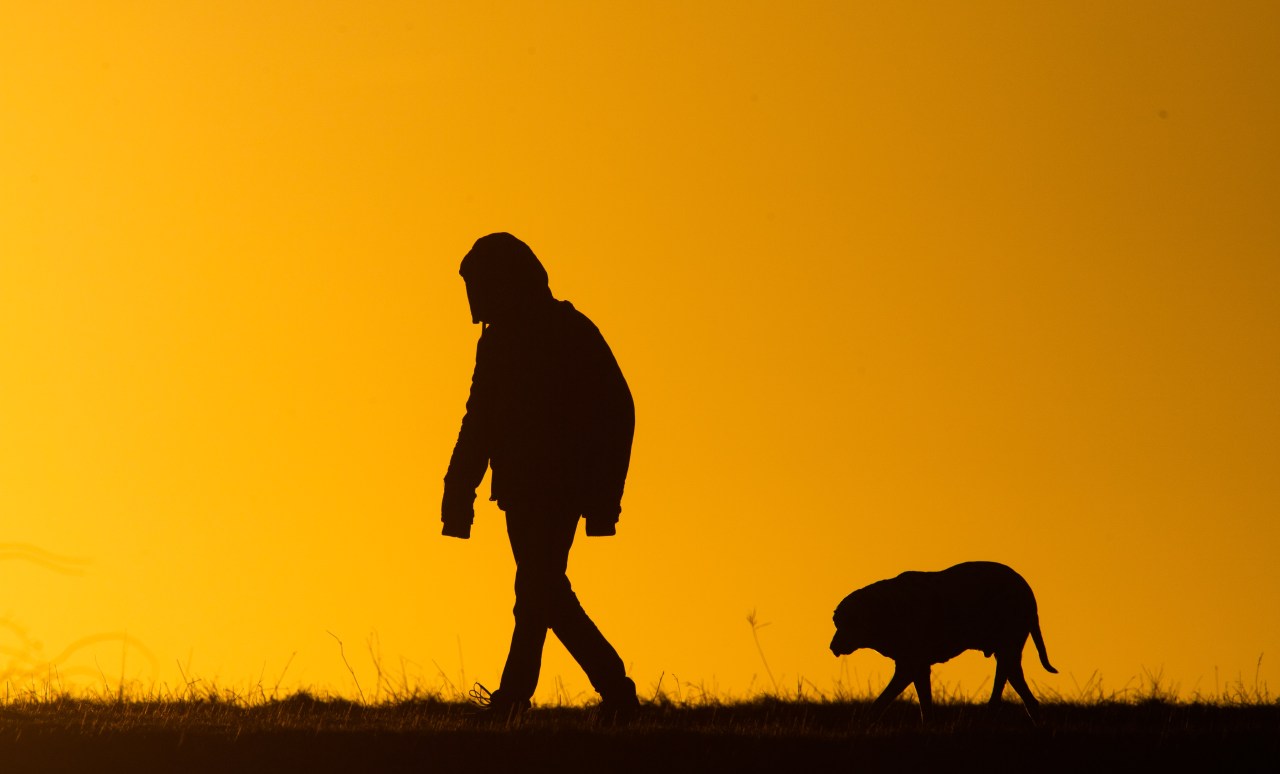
(617, 711)
(495, 709)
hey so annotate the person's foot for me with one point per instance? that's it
(494, 709)
(617, 709)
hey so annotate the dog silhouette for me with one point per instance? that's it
(923, 618)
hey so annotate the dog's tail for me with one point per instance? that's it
(1038, 639)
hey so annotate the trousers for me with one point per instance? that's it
(540, 540)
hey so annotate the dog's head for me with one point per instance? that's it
(850, 620)
(862, 617)
(843, 643)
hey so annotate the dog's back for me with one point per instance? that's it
(983, 606)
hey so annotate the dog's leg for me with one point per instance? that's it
(997, 685)
(924, 693)
(902, 677)
(1019, 682)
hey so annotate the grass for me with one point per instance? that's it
(393, 724)
(209, 730)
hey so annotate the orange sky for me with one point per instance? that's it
(893, 288)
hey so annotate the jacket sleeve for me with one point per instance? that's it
(470, 456)
(612, 425)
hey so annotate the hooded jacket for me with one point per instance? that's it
(549, 411)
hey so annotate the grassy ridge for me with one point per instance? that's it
(309, 735)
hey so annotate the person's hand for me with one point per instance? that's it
(601, 526)
(457, 512)
(457, 529)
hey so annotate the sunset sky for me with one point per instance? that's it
(895, 286)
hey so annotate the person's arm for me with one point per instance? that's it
(613, 425)
(470, 455)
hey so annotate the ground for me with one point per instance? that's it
(302, 734)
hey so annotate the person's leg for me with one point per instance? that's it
(540, 541)
(529, 546)
(571, 624)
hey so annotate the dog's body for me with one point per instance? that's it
(924, 618)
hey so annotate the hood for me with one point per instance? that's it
(504, 278)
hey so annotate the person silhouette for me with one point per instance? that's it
(551, 414)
